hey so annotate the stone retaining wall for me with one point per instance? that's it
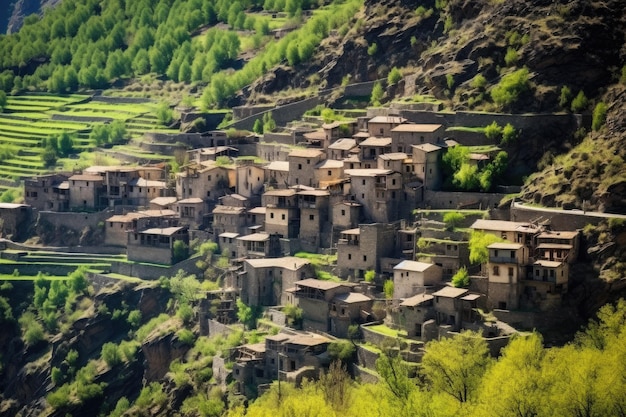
(458, 199)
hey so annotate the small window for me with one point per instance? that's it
(512, 254)
(496, 270)
(364, 258)
(343, 212)
(271, 215)
(311, 217)
(363, 182)
(330, 173)
(393, 181)
(209, 178)
(282, 216)
(510, 271)
(299, 166)
(349, 256)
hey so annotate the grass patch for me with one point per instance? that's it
(387, 331)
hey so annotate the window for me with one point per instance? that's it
(208, 194)
(510, 271)
(393, 181)
(363, 182)
(343, 212)
(299, 166)
(271, 215)
(209, 178)
(364, 258)
(282, 216)
(496, 270)
(308, 161)
(512, 254)
(330, 173)
(311, 217)
(495, 253)
(349, 256)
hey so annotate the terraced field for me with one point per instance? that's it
(29, 119)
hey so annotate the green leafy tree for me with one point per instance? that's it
(509, 134)
(461, 279)
(388, 289)
(493, 131)
(370, 275)
(478, 82)
(377, 94)
(456, 365)
(467, 177)
(478, 242)
(110, 354)
(258, 127)
(245, 314)
(580, 102)
(269, 125)
(508, 90)
(372, 49)
(395, 375)
(341, 350)
(599, 116)
(565, 96)
(394, 76)
(453, 219)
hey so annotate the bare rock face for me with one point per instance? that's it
(23, 8)
(161, 348)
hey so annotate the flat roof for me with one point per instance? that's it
(361, 134)
(478, 157)
(413, 266)
(416, 300)
(163, 231)
(355, 231)
(235, 196)
(278, 166)
(376, 141)
(329, 163)
(344, 144)
(258, 210)
(319, 284)
(387, 119)
(286, 192)
(229, 235)
(352, 298)
(254, 237)
(416, 127)
(450, 292)
(86, 177)
(163, 201)
(318, 134)
(308, 339)
(219, 209)
(557, 235)
(288, 262)
(427, 147)
(316, 193)
(548, 264)
(394, 156)
(554, 246)
(499, 225)
(471, 297)
(505, 246)
(367, 172)
(306, 153)
(12, 205)
(192, 200)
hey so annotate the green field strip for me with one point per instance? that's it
(19, 108)
(17, 134)
(32, 129)
(27, 115)
(98, 115)
(22, 142)
(134, 108)
(19, 171)
(23, 163)
(140, 153)
(63, 99)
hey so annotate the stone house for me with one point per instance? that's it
(361, 249)
(263, 281)
(229, 219)
(191, 212)
(383, 125)
(317, 139)
(289, 356)
(282, 215)
(505, 270)
(228, 243)
(314, 216)
(162, 203)
(250, 179)
(396, 161)
(379, 191)
(277, 175)
(346, 215)
(427, 162)
(347, 309)
(405, 135)
(86, 192)
(208, 182)
(411, 277)
(302, 164)
(254, 246)
(47, 192)
(234, 200)
(518, 232)
(558, 246)
(340, 149)
(212, 153)
(14, 219)
(256, 218)
(327, 172)
(117, 227)
(372, 147)
(545, 285)
(119, 180)
(449, 307)
(338, 129)
(155, 245)
(141, 191)
(414, 311)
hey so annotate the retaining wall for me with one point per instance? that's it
(457, 199)
(75, 221)
(565, 220)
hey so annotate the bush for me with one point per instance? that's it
(120, 408)
(134, 319)
(479, 81)
(185, 313)
(509, 134)
(388, 289)
(507, 91)
(186, 336)
(32, 330)
(511, 57)
(453, 219)
(341, 349)
(461, 278)
(565, 97)
(493, 131)
(580, 102)
(370, 275)
(394, 76)
(110, 354)
(372, 49)
(599, 116)
(377, 94)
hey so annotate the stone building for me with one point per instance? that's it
(411, 277)
(282, 215)
(341, 149)
(277, 174)
(302, 164)
(372, 147)
(327, 172)
(505, 270)
(86, 192)
(426, 159)
(117, 227)
(47, 192)
(155, 245)
(383, 125)
(250, 180)
(379, 191)
(263, 281)
(229, 219)
(314, 217)
(14, 220)
(361, 249)
(405, 135)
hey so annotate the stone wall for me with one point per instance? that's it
(75, 221)
(217, 328)
(366, 358)
(458, 199)
(559, 219)
(149, 271)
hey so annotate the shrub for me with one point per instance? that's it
(511, 57)
(372, 49)
(599, 116)
(32, 330)
(453, 219)
(394, 76)
(507, 91)
(186, 336)
(479, 81)
(565, 97)
(134, 318)
(59, 398)
(110, 354)
(57, 376)
(450, 81)
(388, 289)
(370, 275)
(580, 102)
(377, 94)
(493, 131)
(151, 395)
(180, 251)
(120, 408)
(185, 313)
(461, 278)
(164, 113)
(341, 349)
(509, 134)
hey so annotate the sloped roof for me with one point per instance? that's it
(413, 266)
(416, 127)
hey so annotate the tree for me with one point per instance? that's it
(456, 365)
(336, 385)
(599, 116)
(370, 275)
(509, 134)
(452, 219)
(493, 131)
(377, 94)
(164, 113)
(372, 49)
(394, 76)
(507, 91)
(258, 127)
(3, 100)
(467, 177)
(66, 144)
(580, 102)
(245, 314)
(461, 279)
(478, 242)
(395, 374)
(388, 289)
(341, 350)
(565, 96)
(180, 251)
(110, 354)
(269, 125)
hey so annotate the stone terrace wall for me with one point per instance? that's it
(75, 221)
(457, 199)
(564, 220)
